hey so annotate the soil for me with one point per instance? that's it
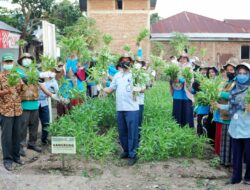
(45, 172)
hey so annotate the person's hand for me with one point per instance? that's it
(214, 104)
(55, 97)
(247, 107)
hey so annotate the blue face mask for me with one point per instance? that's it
(242, 78)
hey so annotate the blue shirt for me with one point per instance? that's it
(202, 110)
(180, 94)
(67, 86)
(122, 83)
(240, 125)
(217, 117)
(52, 86)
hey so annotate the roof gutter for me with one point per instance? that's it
(232, 37)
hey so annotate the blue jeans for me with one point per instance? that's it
(141, 110)
(45, 119)
(127, 122)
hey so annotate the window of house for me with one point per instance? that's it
(245, 52)
(119, 4)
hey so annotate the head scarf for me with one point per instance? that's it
(238, 94)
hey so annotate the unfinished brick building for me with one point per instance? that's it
(123, 19)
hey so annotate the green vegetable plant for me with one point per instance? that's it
(142, 35)
(187, 75)
(13, 78)
(32, 75)
(48, 63)
(210, 88)
(172, 72)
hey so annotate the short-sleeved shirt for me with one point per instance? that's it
(51, 86)
(122, 83)
(10, 104)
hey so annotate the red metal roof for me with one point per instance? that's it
(240, 23)
(186, 22)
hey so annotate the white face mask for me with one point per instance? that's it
(8, 67)
(26, 62)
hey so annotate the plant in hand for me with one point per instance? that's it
(172, 72)
(13, 78)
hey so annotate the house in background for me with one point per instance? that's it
(8, 40)
(123, 19)
(222, 39)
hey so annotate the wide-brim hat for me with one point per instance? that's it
(25, 55)
(184, 55)
(233, 61)
(126, 55)
(247, 65)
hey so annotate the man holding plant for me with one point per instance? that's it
(30, 105)
(127, 109)
(10, 111)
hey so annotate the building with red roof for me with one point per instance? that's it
(222, 39)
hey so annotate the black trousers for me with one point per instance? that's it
(241, 149)
(11, 136)
(30, 121)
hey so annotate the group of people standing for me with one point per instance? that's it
(24, 104)
(227, 126)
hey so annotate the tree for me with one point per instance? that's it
(64, 14)
(32, 12)
(13, 18)
(86, 28)
(154, 18)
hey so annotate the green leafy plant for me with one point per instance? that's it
(179, 42)
(48, 63)
(161, 136)
(142, 35)
(192, 50)
(13, 78)
(214, 162)
(107, 39)
(187, 74)
(127, 48)
(210, 88)
(248, 96)
(32, 75)
(172, 72)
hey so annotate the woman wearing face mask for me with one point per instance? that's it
(223, 142)
(11, 111)
(239, 128)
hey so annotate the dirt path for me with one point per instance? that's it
(43, 172)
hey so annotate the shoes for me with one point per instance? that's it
(246, 182)
(22, 152)
(20, 162)
(230, 182)
(35, 148)
(124, 155)
(8, 166)
(132, 161)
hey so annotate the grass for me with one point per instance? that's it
(94, 126)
